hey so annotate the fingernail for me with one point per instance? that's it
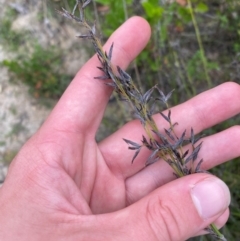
(211, 197)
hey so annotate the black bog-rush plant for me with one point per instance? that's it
(164, 144)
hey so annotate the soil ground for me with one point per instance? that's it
(21, 114)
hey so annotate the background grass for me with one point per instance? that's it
(195, 45)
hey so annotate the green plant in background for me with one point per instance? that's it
(202, 8)
(110, 13)
(195, 64)
(167, 67)
(116, 14)
(9, 38)
(175, 16)
(31, 63)
(187, 32)
(41, 71)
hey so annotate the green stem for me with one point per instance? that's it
(216, 231)
(179, 72)
(203, 56)
(125, 9)
(189, 78)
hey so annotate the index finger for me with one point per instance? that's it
(81, 107)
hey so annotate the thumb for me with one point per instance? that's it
(174, 212)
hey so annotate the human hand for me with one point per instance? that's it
(64, 186)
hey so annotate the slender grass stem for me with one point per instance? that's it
(220, 237)
(125, 9)
(176, 60)
(198, 35)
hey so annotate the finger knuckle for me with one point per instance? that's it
(163, 220)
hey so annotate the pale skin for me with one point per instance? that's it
(63, 185)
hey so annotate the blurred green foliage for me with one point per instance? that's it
(115, 14)
(37, 66)
(9, 38)
(41, 70)
(174, 54)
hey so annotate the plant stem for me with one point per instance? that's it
(198, 35)
(125, 9)
(216, 231)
